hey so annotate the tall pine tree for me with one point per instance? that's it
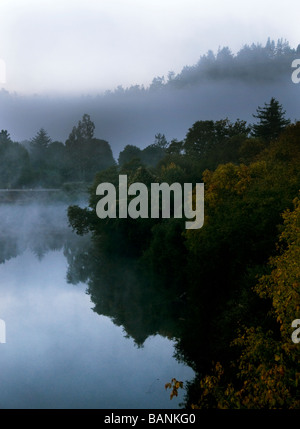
(271, 121)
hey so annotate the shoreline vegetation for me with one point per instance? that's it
(236, 280)
(233, 286)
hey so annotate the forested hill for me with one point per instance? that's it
(251, 64)
(219, 85)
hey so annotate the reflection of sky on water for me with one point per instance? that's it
(60, 354)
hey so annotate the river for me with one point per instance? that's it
(68, 346)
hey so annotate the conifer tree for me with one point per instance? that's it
(271, 121)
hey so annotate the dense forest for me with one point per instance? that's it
(235, 280)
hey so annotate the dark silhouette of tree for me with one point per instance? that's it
(4, 136)
(87, 154)
(84, 131)
(200, 138)
(14, 163)
(175, 147)
(38, 147)
(38, 155)
(271, 121)
(129, 153)
(205, 136)
(41, 141)
(150, 155)
(160, 141)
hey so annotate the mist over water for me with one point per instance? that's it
(34, 227)
(87, 325)
(59, 353)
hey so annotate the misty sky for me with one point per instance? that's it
(80, 47)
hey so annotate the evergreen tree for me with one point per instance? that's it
(271, 121)
(41, 141)
(38, 149)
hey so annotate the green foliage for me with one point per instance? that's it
(175, 147)
(149, 156)
(266, 374)
(215, 142)
(172, 173)
(152, 154)
(129, 153)
(213, 272)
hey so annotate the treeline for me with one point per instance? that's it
(133, 115)
(46, 163)
(228, 292)
(252, 63)
(42, 162)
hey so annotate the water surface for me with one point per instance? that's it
(59, 353)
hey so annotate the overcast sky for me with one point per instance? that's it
(72, 46)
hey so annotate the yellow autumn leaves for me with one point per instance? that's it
(174, 385)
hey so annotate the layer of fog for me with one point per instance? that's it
(220, 85)
(131, 119)
(35, 227)
(59, 353)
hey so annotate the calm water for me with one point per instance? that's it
(59, 353)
